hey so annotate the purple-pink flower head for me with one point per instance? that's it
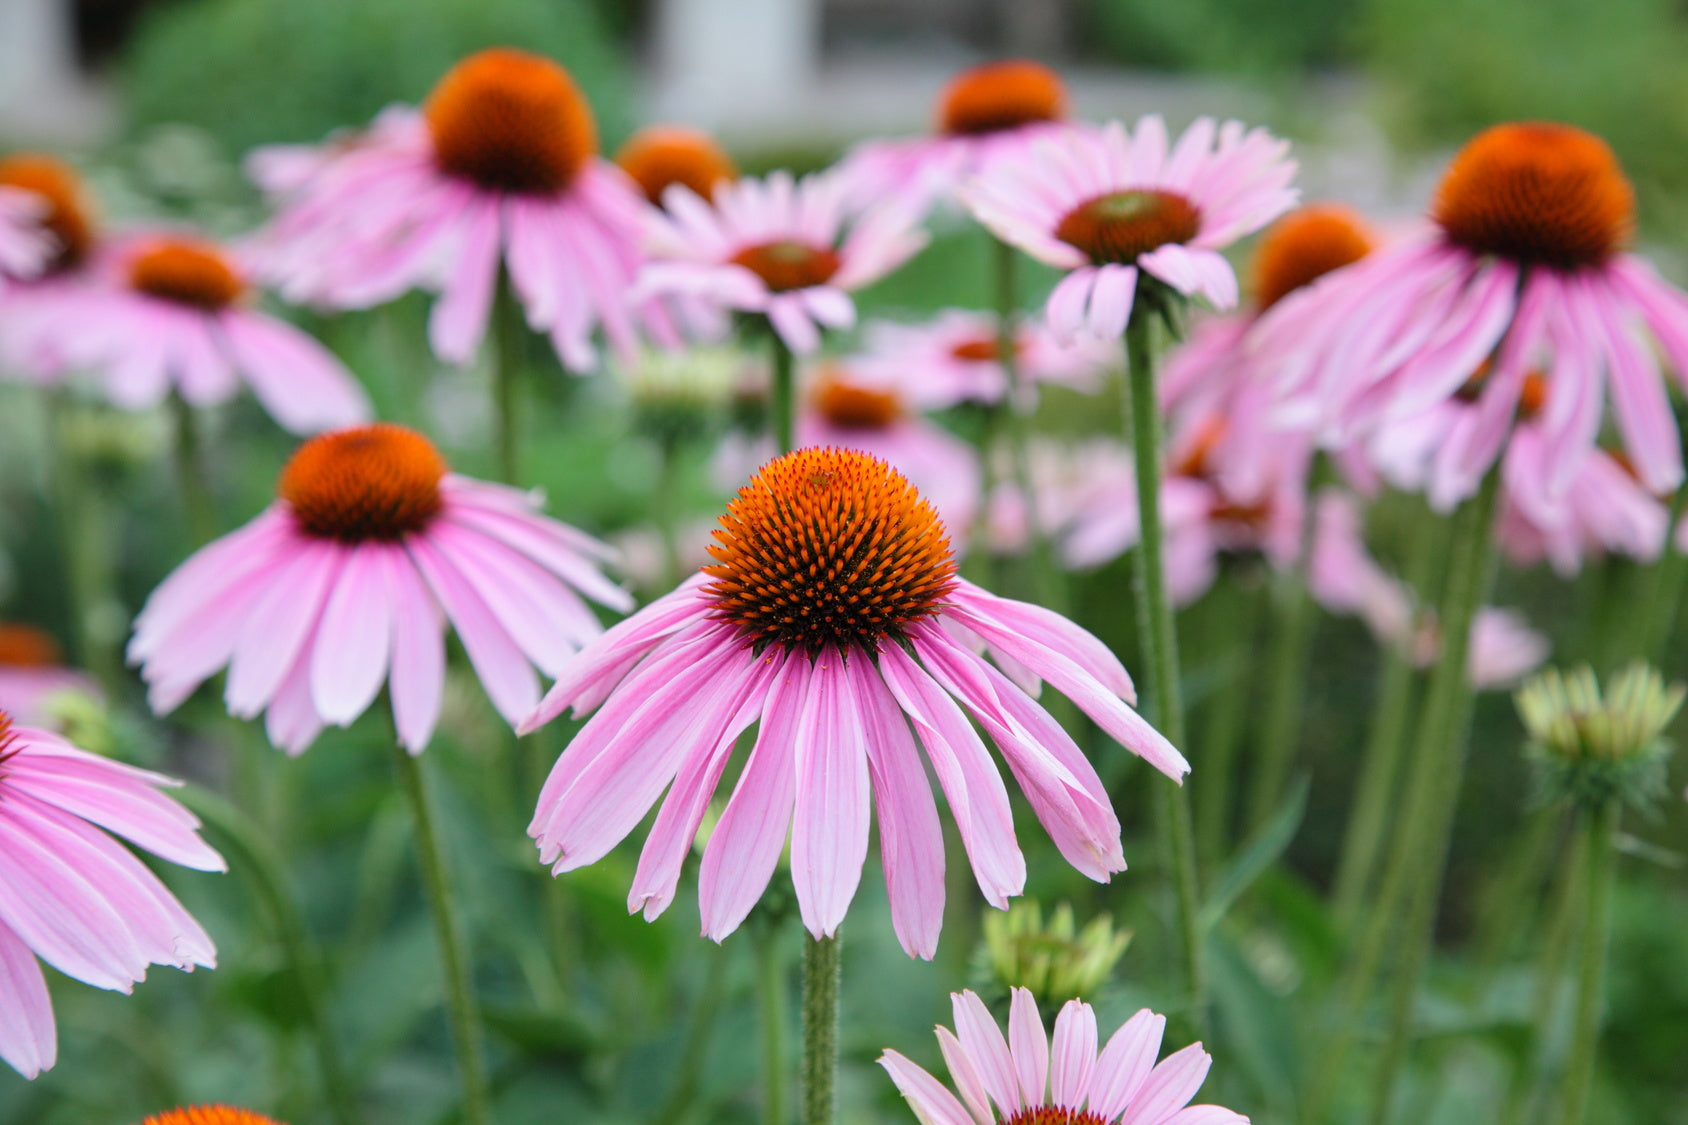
(64, 209)
(347, 581)
(73, 896)
(659, 155)
(833, 616)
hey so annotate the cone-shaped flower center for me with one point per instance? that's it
(188, 272)
(209, 1115)
(981, 349)
(1001, 95)
(659, 155)
(1053, 1115)
(511, 121)
(851, 406)
(787, 264)
(68, 216)
(25, 646)
(368, 482)
(1537, 192)
(1120, 226)
(828, 547)
(1305, 245)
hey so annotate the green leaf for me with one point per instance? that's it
(1260, 853)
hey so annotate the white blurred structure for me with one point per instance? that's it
(44, 98)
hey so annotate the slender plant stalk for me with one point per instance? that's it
(266, 877)
(1292, 644)
(85, 539)
(509, 340)
(1663, 601)
(1599, 832)
(770, 999)
(1412, 880)
(1160, 641)
(821, 984)
(666, 507)
(1229, 617)
(782, 397)
(1506, 910)
(190, 472)
(449, 930)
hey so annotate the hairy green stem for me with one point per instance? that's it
(821, 981)
(782, 397)
(266, 877)
(1293, 620)
(449, 931)
(1160, 642)
(1599, 840)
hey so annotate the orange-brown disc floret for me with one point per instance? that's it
(852, 406)
(209, 1115)
(1053, 1115)
(1539, 193)
(1001, 95)
(828, 547)
(659, 155)
(511, 121)
(25, 646)
(1197, 455)
(69, 217)
(187, 271)
(1305, 245)
(786, 265)
(981, 349)
(368, 482)
(1125, 224)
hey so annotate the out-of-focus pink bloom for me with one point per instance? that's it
(498, 170)
(659, 155)
(52, 195)
(167, 312)
(985, 113)
(346, 583)
(955, 358)
(1522, 272)
(1068, 479)
(73, 896)
(1105, 205)
(26, 245)
(1032, 1078)
(33, 676)
(835, 619)
(788, 249)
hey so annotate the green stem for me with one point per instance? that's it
(782, 397)
(1292, 644)
(770, 998)
(1413, 879)
(190, 472)
(509, 340)
(1160, 640)
(267, 879)
(1600, 831)
(1229, 617)
(85, 539)
(821, 980)
(448, 927)
(1664, 597)
(665, 507)
(1563, 915)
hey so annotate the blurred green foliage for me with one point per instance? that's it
(257, 72)
(1242, 36)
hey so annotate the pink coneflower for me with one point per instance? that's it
(1032, 1078)
(1107, 205)
(55, 198)
(346, 583)
(33, 675)
(659, 155)
(788, 249)
(500, 167)
(1522, 271)
(984, 112)
(833, 616)
(956, 358)
(26, 246)
(73, 896)
(173, 313)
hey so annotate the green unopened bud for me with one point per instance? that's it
(1053, 959)
(681, 395)
(1588, 746)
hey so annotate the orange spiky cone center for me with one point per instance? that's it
(25, 646)
(378, 482)
(1053, 1115)
(786, 264)
(209, 1115)
(1001, 95)
(1305, 245)
(852, 406)
(187, 271)
(659, 155)
(1539, 193)
(511, 121)
(828, 548)
(69, 217)
(1121, 226)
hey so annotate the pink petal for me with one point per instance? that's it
(1029, 1045)
(829, 831)
(1169, 1087)
(28, 1036)
(459, 317)
(417, 682)
(982, 1039)
(1124, 1063)
(349, 658)
(504, 672)
(1074, 1051)
(298, 382)
(931, 1101)
(277, 624)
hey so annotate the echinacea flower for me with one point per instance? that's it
(659, 155)
(1108, 206)
(209, 1115)
(956, 358)
(346, 582)
(33, 675)
(26, 245)
(45, 191)
(498, 170)
(171, 312)
(984, 112)
(73, 896)
(835, 619)
(787, 249)
(1031, 1078)
(1522, 271)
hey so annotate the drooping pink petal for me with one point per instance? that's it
(1169, 1087)
(28, 1035)
(931, 1101)
(354, 634)
(829, 830)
